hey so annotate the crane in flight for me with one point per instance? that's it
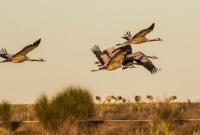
(111, 60)
(20, 56)
(140, 58)
(140, 37)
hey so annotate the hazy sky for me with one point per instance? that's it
(70, 28)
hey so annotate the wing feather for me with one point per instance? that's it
(4, 54)
(143, 60)
(118, 58)
(127, 36)
(98, 53)
(28, 48)
(144, 32)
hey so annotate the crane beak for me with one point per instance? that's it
(42, 60)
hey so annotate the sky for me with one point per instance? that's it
(70, 28)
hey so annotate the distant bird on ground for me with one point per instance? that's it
(172, 98)
(109, 99)
(139, 37)
(138, 99)
(98, 98)
(141, 59)
(149, 97)
(124, 100)
(118, 98)
(115, 61)
(21, 56)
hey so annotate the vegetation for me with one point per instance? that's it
(65, 109)
(162, 129)
(196, 132)
(22, 133)
(4, 131)
(164, 118)
(168, 112)
(5, 114)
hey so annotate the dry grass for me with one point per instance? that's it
(158, 113)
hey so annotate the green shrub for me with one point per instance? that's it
(5, 113)
(68, 106)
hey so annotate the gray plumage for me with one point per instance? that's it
(141, 59)
(4, 54)
(111, 60)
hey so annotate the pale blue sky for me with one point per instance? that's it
(70, 28)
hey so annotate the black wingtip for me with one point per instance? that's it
(38, 41)
(152, 26)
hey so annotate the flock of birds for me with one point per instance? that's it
(118, 56)
(137, 99)
(121, 55)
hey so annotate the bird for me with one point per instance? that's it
(98, 98)
(140, 37)
(141, 59)
(172, 98)
(118, 98)
(20, 56)
(138, 99)
(113, 60)
(124, 100)
(150, 97)
(109, 98)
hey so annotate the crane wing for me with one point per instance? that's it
(103, 58)
(109, 51)
(144, 32)
(145, 62)
(126, 47)
(28, 48)
(127, 36)
(4, 54)
(117, 60)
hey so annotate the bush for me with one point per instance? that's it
(5, 113)
(70, 105)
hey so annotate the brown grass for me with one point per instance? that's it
(157, 113)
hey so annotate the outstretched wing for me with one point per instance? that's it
(127, 48)
(117, 60)
(143, 60)
(144, 32)
(28, 48)
(4, 54)
(127, 36)
(100, 55)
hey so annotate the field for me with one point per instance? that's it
(123, 119)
